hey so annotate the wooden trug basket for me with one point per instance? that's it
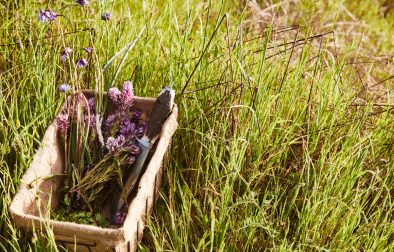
(28, 209)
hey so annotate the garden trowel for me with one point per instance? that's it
(161, 110)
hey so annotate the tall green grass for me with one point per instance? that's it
(278, 147)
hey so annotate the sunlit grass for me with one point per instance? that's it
(277, 148)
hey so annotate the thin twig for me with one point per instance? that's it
(34, 40)
(202, 55)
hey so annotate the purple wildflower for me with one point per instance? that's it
(106, 16)
(88, 50)
(88, 105)
(41, 16)
(83, 3)
(82, 63)
(91, 121)
(123, 99)
(62, 123)
(80, 100)
(91, 105)
(141, 129)
(130, 160)
(115, 145)
(127, 128)
(66, 52)
(115, 95)
(119, 219)
(127, 95)
(110, 121)
(133, 149)
(52, 15)
(137, 114)
(63, 57)
(47, 15)
(64, 88)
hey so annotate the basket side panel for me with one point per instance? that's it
(37, 184)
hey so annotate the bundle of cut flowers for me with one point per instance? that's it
(98, 153)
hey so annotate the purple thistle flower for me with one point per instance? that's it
(119, 218)
(88, 105)
(127, 128)
(130, 160)
(115, 95)
(62, 123)
(83, 3)
(127, 95)
(133, 149)
(141, 129)
(110, 121)
(137, 114)
(66, 52)
(123, 99)
(80, 98)
(82, 63)
(91, 105)
(115, 145)
(91, 121)
(88, 50)
(106, 16)
(64, 88)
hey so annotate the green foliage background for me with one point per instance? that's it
(278, 147)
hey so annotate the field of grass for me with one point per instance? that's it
(286, 123)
